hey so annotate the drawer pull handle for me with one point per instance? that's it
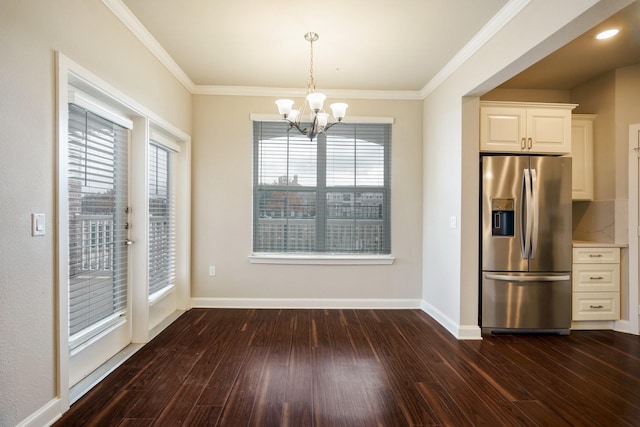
(595, 255)
(596, 306)
(596, 278)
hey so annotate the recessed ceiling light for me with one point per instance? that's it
(607, 34)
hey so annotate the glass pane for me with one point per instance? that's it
(341, 159)
(287, 221)
(369, 164)
(355, 221)
(352, 161)
(287, 161)
(97, 186)
(161, 213)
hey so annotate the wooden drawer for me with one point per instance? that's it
(596, 255)
(596, 277)
(596, 306)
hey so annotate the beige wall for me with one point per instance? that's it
(30, 33)
(222, 200)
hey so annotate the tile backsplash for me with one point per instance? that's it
(594, 221)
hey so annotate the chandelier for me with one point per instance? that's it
(319, 119)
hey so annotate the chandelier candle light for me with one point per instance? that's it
(319, 118)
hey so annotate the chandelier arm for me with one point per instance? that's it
(297, 126)
(330, 125)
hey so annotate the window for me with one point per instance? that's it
(327, 196)
(161, 220)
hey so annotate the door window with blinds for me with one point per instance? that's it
(161, 220)
(98, 225)
(327, 196)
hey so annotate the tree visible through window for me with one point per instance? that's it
(330, 195)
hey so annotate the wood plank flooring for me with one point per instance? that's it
(237, 367)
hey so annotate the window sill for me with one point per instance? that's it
(317, 259)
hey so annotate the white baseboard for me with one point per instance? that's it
(461, 332)
(335, 303)
(585, 325)
(469, 332)
(45, 416)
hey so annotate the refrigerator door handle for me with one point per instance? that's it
(525, 206)
(509, 278)
(535, 211)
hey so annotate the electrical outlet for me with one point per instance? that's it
(212, 270)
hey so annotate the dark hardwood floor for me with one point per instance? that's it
(235, 367)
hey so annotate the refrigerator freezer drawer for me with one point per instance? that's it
(526, 303)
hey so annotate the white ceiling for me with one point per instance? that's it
(370, 45)
(364, 44)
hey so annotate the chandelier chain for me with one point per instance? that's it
(312, 83)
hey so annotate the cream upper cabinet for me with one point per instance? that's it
(582, 155)
(513, 127)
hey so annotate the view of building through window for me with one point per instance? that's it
(327, 195)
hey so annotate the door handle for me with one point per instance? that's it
(535, 211)
(129, 242)
(508, 278)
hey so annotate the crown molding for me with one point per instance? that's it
(301, 93)
(122, 12)
(495, 24)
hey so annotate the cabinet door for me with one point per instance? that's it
(548, 131)
(502, 129)
(582, 155)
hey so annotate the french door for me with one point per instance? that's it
(98, 240)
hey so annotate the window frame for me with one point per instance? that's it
(327, 258)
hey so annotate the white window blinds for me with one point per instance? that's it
(161, 219)
(331, 195)
(98, 199)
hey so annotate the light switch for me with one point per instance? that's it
(453, 222)
(37, 224)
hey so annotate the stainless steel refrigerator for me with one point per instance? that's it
(526, 244)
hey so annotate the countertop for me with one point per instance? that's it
(585, 244)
